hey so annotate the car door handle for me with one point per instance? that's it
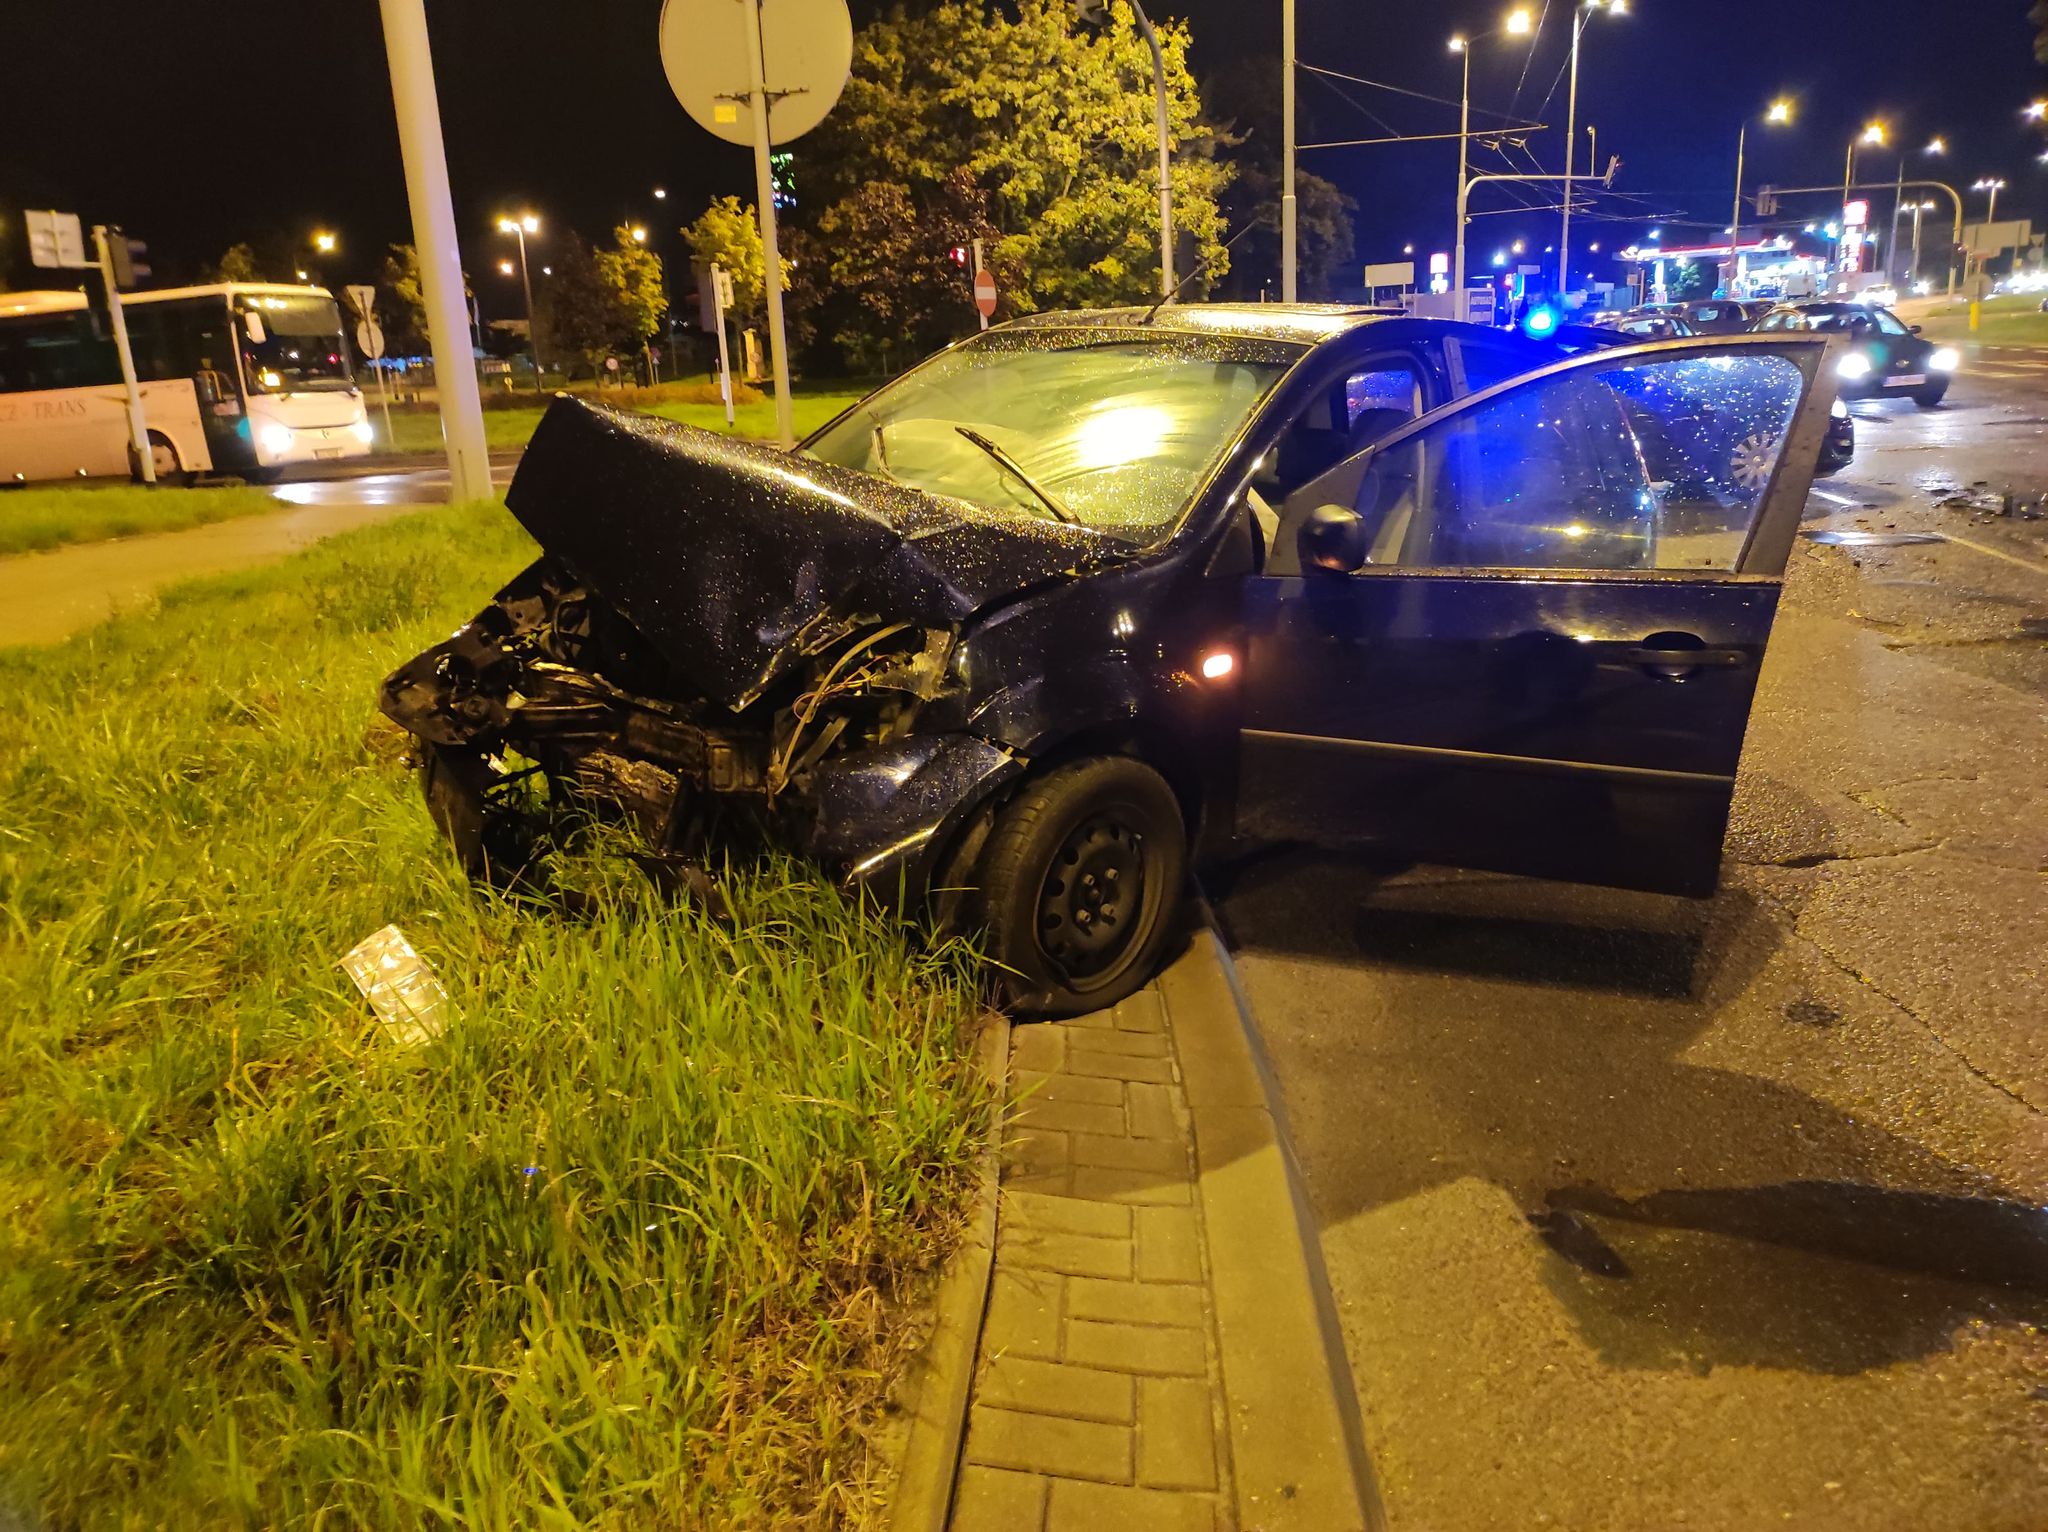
(1686, 659)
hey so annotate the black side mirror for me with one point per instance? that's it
(1333, 539)
(1914, 328)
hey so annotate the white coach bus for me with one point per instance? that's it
(237, 377)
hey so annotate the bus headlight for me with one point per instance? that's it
(276, 439)
(1946, 359)
(1853, 366)
(363, 433)
(1839, 410)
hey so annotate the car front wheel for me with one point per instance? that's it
(1928, 398)
(1080, 883)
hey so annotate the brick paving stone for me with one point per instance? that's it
(1073, 1449)
(999, 1500)
(1143, 1012)
(1161, 1156)
(1134, 1303)
(1135, 1187)
(1176, 1434)
(1056, 1388)
(1042, 1048)
(1148, 1045)
(1169, 1248)
(1038, 1149)
(1030, 1084)
(1122, 1508)
(1081, 1255)
(1152, 1350)
(1092, 1021)
(1117, 1066)
(1065, 1215)
(1069, 1116)
(1152, 1114)
(1023, 1316)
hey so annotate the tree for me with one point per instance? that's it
(572, 312)
(1016, 125)
(2039, 16)
(236, 264)
(1245, 99)
(631, 276)
(401, 279)
(728, 234)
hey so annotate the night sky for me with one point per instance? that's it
(200, 125)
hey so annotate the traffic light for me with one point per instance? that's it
(958, 256)
(130, 257)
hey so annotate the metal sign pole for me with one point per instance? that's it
(724, 354)
(142, 465)
(771, 256)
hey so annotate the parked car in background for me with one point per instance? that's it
(1721, 316)
(1648, 324)
(1092, 593)
(1885, 358)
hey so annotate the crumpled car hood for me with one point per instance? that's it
(734, 560)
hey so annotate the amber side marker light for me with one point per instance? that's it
(1218, 665)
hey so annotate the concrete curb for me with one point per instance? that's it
(1296, 1449)
(942, 1377)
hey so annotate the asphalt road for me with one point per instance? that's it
(1645, 1213)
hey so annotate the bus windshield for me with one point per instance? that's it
(301, 349)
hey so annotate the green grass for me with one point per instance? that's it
(50, 517)
(2008, 321)
(622, 1247)
(420, 431)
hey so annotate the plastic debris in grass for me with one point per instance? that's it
(400, 986)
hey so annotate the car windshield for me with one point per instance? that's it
(1113, 431)
(301, 347)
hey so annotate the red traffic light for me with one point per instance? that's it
(958, 255)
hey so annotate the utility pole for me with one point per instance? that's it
(433, 222)
(1287, 208)
(141, 464)
(1571, 144)
(1464, 46)
(771, 254)
(1166, 282)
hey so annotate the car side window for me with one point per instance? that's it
(1889, 322)
(1642, 465)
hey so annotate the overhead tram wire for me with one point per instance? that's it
(1535, 37)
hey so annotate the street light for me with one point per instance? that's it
(1580, 15)
(505, 268)
(2036, 111)
(519, 227)
(1994, 187)
(639, 234)
(323, 242)
(1778, 114)
(660, 194)
(1519, 23)
(1936, 145)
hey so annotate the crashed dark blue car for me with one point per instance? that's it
(1092, 594)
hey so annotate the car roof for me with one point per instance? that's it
(1308, 324)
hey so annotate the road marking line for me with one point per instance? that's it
(1994, 553)
(1836, 499)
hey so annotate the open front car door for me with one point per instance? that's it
(1523, 633)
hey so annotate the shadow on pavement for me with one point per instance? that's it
(1536, 1037)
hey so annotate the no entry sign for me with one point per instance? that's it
(984, 292)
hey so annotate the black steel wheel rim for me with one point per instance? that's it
(1092, 904)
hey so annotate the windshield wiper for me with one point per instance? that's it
(1009, 465)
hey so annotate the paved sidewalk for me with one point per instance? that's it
(1097, 1382)
(1115, 1371)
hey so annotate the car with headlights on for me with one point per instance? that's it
(1884, 358)
(1092, 596)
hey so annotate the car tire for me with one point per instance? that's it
(164, 461)
(1065, 932)
(1930, 398)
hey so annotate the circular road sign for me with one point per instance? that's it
(806, 54)
(985, 292)
(370, 338)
